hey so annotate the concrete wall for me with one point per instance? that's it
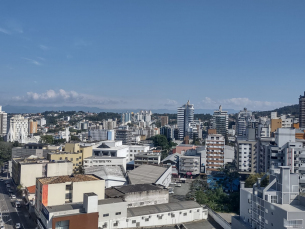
(153, 220)
(79, 188)
(112, 209)
(152, 197)
(59, 169)
(56, 194)
(86, 151)
(223, 223)
(166, 178)
(29, 173)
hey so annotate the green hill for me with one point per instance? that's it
(293, 110)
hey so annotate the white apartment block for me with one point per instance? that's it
(220, 121)
(215, 149)
(18, 129)
(3, 122)
(105, 161)
(274, 206)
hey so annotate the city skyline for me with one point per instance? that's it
(123, 55)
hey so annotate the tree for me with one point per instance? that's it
(80, 170)
(5, 151)
(160, 140)
(252, 179)
(75, 138)
(48, 139)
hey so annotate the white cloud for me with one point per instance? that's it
(32, 61)
(44, 47)
(240, 103)
(63, 98)
(5, 31)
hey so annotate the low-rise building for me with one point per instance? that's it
(25, 171)
(113, 175)
(105, 161)
(60, 190)
(149, 158)
(137, 195)
(147, 174)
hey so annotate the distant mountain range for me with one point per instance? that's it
(33, 109)
(293, 109)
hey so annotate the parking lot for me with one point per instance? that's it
(10, 213)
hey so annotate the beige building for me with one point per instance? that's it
(78, 148)
(75, 158)
(25, 171)
(215, 144)
(61, 190)
(32, 127)
(73, 152)
(275, 124)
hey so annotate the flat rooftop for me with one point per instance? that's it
(162, 208)
(64, 179)
(146, 174)
(118, 191)
(104, 157)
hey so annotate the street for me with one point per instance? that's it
(10, 214)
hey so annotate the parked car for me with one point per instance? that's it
(178, 185)
(17, 204)
(171, 192)
(13, 197)
(17, 226)
(1, 180)
(8, 186)
(2, 227)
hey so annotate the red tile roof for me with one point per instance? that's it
(31, 189)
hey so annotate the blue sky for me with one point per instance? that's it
(152, 54)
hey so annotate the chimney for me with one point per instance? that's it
(90, 203)
(258, 182)
(242, 184)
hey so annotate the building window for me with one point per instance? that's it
(106, 215)
(118, 213)
(147, 219)
(184, 214)
(274, 199)
(62, 224)
(141, 203)
(115, 224)
(133, 221)
(129, 205)
(71, 159)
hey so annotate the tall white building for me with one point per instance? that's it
(3, 122)
(125, 118)
(242, 121)
(220, 121)
(18, 129)
(185, 116)
(41, 122)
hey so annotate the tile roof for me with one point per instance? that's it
(64, 179)
(31, 189)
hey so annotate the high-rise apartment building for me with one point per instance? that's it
(185, 116)
(125, 118)
(164, 120)
(3, 122)
(302, 111)
(243, 119)
(220, 121)
(215, 144)
(109, 124)
(32, 127)
(19, 127)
